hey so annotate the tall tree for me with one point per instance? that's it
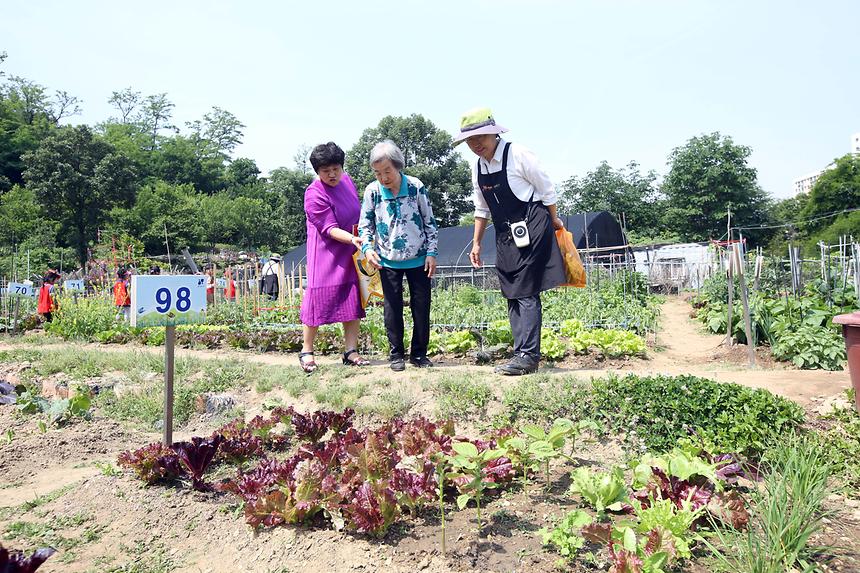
(154, 115)
(708, 176)
(837, 189)
(178, 160)
(242, 172)
(301, 159)
(77, 178)
(25, 120)
(162, 211)
(429, 156)
(285, 191)
(631, 196)
(127, 102)
(219, 132)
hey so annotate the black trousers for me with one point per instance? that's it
(419, 304)
(525, 315)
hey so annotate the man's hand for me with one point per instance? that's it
(430, 266)
(475, 256)
(557, 223)
(373, 258)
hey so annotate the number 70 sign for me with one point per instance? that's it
(164, 300)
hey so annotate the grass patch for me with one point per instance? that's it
(460, 397)
(32, 535)
(293, 380)
(192, 378)
(339, 395)
(391, 404)
(540, 399)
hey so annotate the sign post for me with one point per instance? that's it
(161, 300)
(18, 290)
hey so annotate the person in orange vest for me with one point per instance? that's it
(47, 302)
(121, 296)
(230, 291)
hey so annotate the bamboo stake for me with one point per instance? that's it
(744, 299)
(731, 289)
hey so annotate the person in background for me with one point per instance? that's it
(230, 289)
(47, 303)
(332, 294)
(511, 187)
(155, 270)
(121, 295)
(210, 286)
(399, 236)
(270, 276)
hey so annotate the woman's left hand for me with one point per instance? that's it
(356, 242)
(557, 223)
(430, 266)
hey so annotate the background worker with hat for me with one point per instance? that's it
(47, 302)
(511, 188)
(271, 276)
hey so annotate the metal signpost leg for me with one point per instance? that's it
(169, 345)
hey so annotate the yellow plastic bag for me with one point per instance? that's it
(369, 281)
(573, 269)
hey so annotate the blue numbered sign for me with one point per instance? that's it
(163, 300)
(20, 289)
(73, 285)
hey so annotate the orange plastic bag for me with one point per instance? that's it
(573, 269)
(369, 281)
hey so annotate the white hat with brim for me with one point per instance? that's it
(478, 121)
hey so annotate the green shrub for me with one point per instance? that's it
(663, 409)
(811, 347)
(84, 319)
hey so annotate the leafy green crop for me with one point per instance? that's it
(659, 410)
(604, 490)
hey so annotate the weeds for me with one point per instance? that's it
(461, 396)
(786, 513)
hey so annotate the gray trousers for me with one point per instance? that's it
(525, 315)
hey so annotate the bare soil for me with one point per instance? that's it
(113, 523)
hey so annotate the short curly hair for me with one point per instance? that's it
(327, 154)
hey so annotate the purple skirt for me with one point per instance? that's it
(328, 305)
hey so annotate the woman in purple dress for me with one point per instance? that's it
(332, 209)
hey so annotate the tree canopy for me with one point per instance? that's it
(429, 157)
(709, 176)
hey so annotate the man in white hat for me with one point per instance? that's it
(271, 274)
(511, 188)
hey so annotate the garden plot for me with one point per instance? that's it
(538, 512)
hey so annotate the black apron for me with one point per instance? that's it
(526, 271)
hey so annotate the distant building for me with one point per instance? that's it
(804, 184)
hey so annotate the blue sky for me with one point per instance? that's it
(578, 82)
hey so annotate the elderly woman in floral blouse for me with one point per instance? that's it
(399, 236)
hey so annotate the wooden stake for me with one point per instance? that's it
(731, 290)
(169, 345)
(745, 301)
